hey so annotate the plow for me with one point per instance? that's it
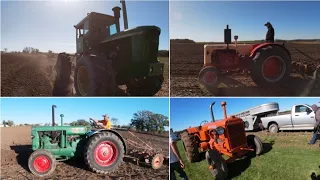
(145, 153)
(269, 64)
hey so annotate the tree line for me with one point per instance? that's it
(148, 121)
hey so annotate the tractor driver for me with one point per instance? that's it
(270, 33)
(105, 123)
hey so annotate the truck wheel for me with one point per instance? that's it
(209, 77)
(145, 87)
(273, 128)
(104, 152)
(94, 76)
(218, 166)
(190, 149)
(271, 66)
(255, 143)
(42, 163)
(62, 70)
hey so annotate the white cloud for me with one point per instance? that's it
(177, 16)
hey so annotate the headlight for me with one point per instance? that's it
(220, 130)
(151, 69)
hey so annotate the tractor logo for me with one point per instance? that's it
(75, 130)
(212, 127)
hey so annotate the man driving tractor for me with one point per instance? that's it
(105, 123)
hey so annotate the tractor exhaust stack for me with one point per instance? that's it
(125, 18)
(227, 36)
(53, 122)
(211, 110)
(116, 13)
(223, 104)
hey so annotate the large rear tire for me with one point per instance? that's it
(191, 151)
(271, 66)
(104, 152)
(62, 79)
(145, 87)
(42, 163)
(94, 76)
(219, 168)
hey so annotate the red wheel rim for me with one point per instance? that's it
(105, 153)
(209, 77)
(42, 164)
(272, 67)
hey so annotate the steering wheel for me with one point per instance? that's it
(93, 123)
(205, 121)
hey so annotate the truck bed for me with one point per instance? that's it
(261, 109)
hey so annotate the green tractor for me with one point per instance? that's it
(107, 57)
(102, 150)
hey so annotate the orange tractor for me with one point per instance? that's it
(217, 138)
(270, 64)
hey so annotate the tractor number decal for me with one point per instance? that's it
(212, 127)
(75, 130)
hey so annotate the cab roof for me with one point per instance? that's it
(91, 15)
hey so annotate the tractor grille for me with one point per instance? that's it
(237, 135)
(153, 43)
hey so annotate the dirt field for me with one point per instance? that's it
(186, 61)
(31, 75)
(16, 146)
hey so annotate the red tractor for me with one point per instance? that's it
(223, 137)
(270, 64)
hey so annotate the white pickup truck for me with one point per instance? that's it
(301, 118)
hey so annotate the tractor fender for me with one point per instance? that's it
(255, 49)
(112, 131)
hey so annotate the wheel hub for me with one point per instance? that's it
(83, 81)
(105, 153)
(42, 164)
(273, 68)
(210, 77)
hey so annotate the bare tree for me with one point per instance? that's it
(114, 121)
(5, 50)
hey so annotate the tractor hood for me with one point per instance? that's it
(131, 32)
(70, 130)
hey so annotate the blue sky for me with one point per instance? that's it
(38, 110)
(185, 112)
(49, 24)
(206, 21)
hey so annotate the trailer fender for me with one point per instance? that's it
(256, 48)
(112, 131)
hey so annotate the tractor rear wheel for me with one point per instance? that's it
(42, 163)
(255, 143)
(62, 70)
(218, 165)
(104, 152)
(209, 77)
(190, 149)
(145, 87)
(271, 66)
(94, 76)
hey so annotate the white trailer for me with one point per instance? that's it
(252, 117)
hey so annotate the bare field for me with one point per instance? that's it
(186, 61)
(32, 75)
(16, 148)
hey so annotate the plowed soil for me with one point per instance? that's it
(16, 148)
(186, 61)
(32, 75)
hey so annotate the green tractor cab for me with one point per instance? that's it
(102, 150)
(107, 57)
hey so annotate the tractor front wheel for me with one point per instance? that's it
(217, 165)
(94, 76)
(209, 78)
(104, 152)
(255, 143)
(42, 163)
(271, 66)
(190, 149)
(145, 87)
